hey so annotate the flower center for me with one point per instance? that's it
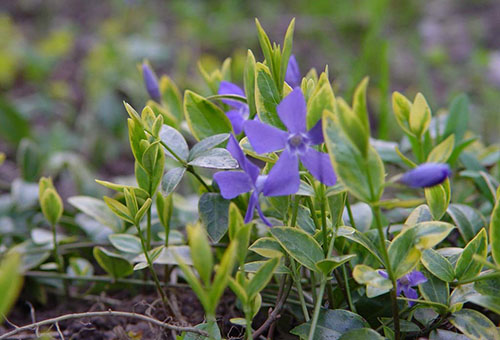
(259, 183)
(298, 142)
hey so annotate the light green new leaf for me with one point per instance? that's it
(267, 97)
(442, 152)
(495, 232)
(201, 252)
(299, 245)
(222, 275)
(356, 172)
(171, 97)
(420, 116)
(261, 277)
(321, 99)
(267, 247)
(204, 118)
(359, 105)
(466, 267)
(11, 282)
(52, 206)
(401, 107)
(438, 198)
(429, 234)
(375, 283)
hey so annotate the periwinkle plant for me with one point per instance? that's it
(288, 147)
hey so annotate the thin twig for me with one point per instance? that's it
(103, 314)
(274, 315)
(59, 331)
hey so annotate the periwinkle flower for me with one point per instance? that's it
(151, 82)
(292, 75)
(235, 183)
(239, 112)
(404, 284)
(297, 143)
(427, 175)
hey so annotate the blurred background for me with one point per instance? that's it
(66, 67)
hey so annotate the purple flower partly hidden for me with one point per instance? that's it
(292, 76)
(234, 183)
(297, 143)
(151, 82)
(239, 111)
(404, 284)
(426, 175)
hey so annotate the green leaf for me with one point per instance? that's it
(421, 213)
(420, 116)
(434, 290)
(429, 234)
(375, 283)
(267, 247)
(361, 334)
(490, 302)
(119, 209)
(235, 221)
(438, 198)
(175, 141)
(249, 82)
(13, 126)
(403, 255)
(299, 245)
(359, 104)
(164, 208)
(321, 99)
(261, 277)
(474, 324)
(401, 107)
(171, 179)
(201, 252)
(216, 158)
(96, 209)
(211, 328)
(468, 220)
(332, 323)
(466, 267)
(213, 209)
(171, 97)
(194, 283)
(222, 275)
(495, 232)
(252, 267)
(458, 118)
(11, 282)
(364, 241)
(52, 206)
(207, 144)
(287, 50)
(438, 265)
(440, 334)
(126, 243)
(112, 263)
(142, 211)
(267, 97)
(28, 160)
(488, 286)
(353, 127)
(354, 171)
(442, 152)
(327, 265)
(204, 118)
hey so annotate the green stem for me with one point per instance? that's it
(348, 289)
(296, 278)
(295, 211)
(163, 296)
(349, 212)
(148, 229)
(59, 260)
(317, 308)
(198, 177)
(390, 273)
(248, 330)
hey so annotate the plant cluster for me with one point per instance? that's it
(356, 238)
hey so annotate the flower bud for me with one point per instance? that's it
(151, 82)
(426, 175)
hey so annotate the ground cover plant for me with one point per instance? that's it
(303, 222)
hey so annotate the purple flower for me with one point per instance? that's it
(296, 143)
(239, 111)
(292, 76)
(234, 183)
(151, 82)
(426, 175)
(404, 284)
